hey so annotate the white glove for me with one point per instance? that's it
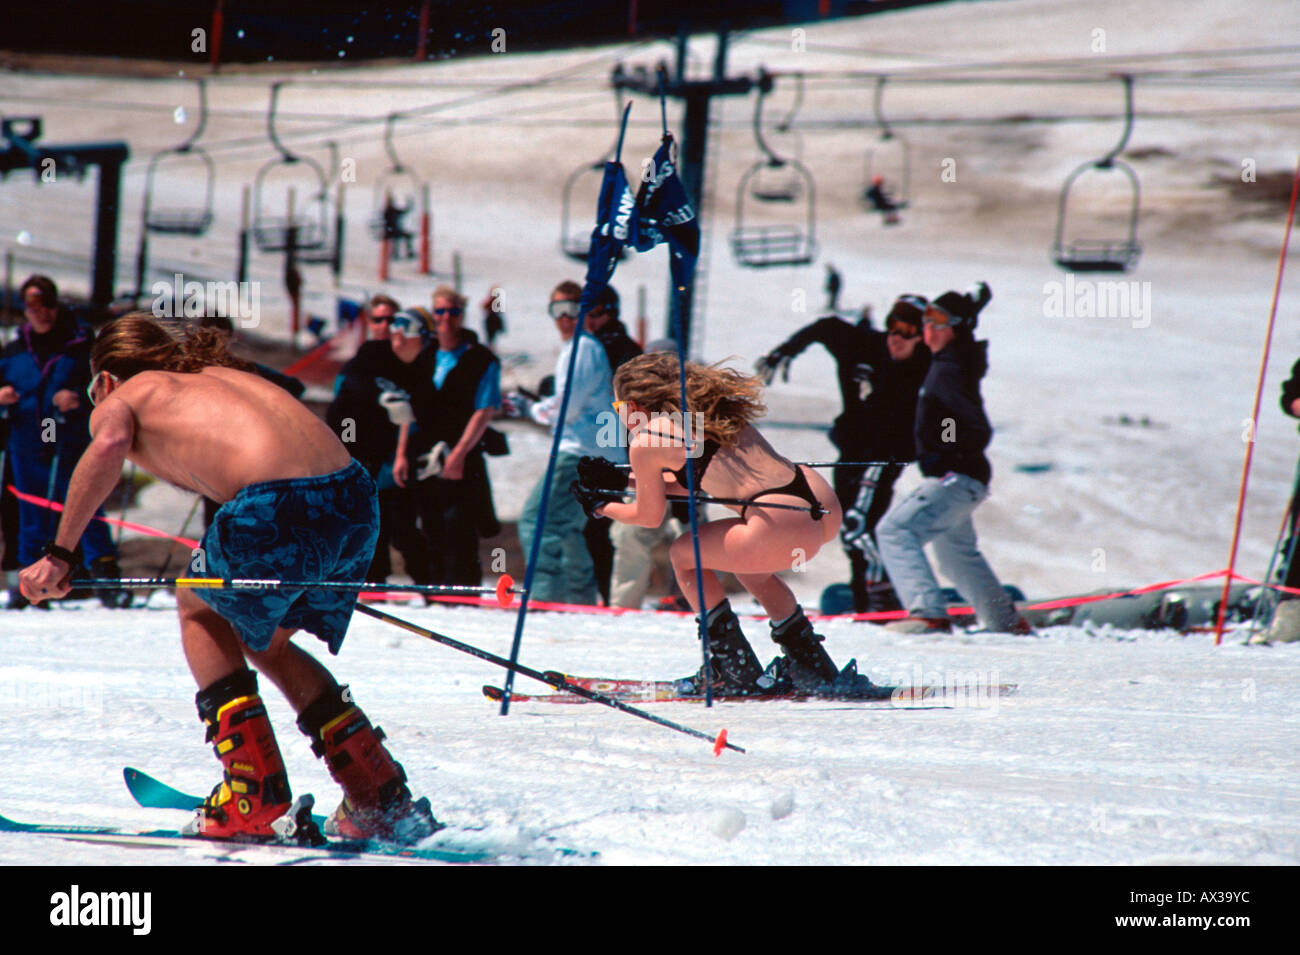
(516, 404)
(398, 405)
(862, 373)
(431, 462)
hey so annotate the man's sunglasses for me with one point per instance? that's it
(563, 307)
(90, 388)
(904, 332)
(454, 312)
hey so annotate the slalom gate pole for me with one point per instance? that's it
(1254, 418)
(549, 478)
(550, 677)
(503, 592)
(692, 512)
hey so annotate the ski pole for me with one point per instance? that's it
(550, 677)
(619, 496)
(820, 464)
(503, 591)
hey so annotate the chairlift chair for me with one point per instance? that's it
(1111, 254)
(309, 227)
(330, 252)
(184, 220)
(898, 174)
(777, 179)
(765, 246)
(397, 182)
(575, 241)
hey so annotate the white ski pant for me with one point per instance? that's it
(939, 513)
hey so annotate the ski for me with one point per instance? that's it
(152, 793)
(174, 838)
(666, 691)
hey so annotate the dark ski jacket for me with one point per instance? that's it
(882, 426)
(1291, 389)
(441, 414)
(952, 429)
(618, 344)
(38, 367)
(356, 415)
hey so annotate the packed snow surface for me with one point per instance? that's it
(1120, 747)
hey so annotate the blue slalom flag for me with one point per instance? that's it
(616, 227)
(665, 214)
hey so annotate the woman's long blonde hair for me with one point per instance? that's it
(139, 342)
(728, 399)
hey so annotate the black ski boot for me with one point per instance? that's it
(808, 665)
(735, 666)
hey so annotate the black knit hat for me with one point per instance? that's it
(908, 309)
(963, 308)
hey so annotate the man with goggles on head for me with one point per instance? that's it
(565, 572)
(879, 375)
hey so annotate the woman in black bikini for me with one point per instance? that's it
(733, 461)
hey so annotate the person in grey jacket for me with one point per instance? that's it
(952, 432)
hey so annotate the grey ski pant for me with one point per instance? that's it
(939, 513)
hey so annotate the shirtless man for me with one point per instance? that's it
(294, 506)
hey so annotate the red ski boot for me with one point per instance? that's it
(254, 790)
(376, 803)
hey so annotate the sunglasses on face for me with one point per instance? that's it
(904, 332)
(563, 307)
(94, 382)
(937, 319)
(453, 312)
(403, 325)
(381, 319)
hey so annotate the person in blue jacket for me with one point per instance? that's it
(44, 373)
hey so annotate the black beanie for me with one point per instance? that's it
(964, 308)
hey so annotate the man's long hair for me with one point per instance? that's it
(139, 342)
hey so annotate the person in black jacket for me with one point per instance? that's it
(879, 375)
(1285, 625)
(952, 432)
(371, 397)
(457, 390)
(599, 532)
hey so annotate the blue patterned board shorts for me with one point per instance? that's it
(316, 528)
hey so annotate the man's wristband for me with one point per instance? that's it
(69, 557)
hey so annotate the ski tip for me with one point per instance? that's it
(504, 586)
(720, 743)
(494, 693)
